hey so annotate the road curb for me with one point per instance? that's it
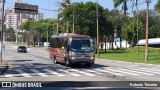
(130, 62)
(3, 66)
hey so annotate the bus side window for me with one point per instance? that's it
(57, 43)
(52, 42)
(65, 43)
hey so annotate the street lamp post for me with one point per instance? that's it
(137, 28)
(58, 22)
(97, 29)
(73, 20)
(73, 23)
(47, 33)
(146, 48)
(2, 26)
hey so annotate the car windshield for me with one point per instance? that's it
(21, 47)
(81, 44)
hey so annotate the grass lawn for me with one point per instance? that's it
(132, 56)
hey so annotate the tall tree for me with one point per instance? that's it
(64, 5)
(85, 18)
(124, 8)
(157, 6)
(10, 34)
(38, 30)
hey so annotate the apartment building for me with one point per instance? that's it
(12, 21)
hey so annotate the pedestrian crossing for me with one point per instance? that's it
(92, 72)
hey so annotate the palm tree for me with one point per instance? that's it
(65, 5)
(124, 8)
(119, 2)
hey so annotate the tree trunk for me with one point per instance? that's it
(105, 42)
(112, 40)
(38, 39)
(132, 38)
(120, 42)
(33, 41)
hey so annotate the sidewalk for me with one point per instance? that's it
(3, 66)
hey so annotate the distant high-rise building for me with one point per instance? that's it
(40, 16)
(12, 21)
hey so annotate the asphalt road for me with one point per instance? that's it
(36, 66)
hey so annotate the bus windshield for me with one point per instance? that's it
(81, 45)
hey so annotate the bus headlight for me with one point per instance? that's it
(73, 58)
(72, 54)
(91, 57)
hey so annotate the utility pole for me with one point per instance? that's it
(2, 27)
(73, 23)
(146, 48)
(47, 32)
(58, 22)
(97, 30)
(137, 28)
(67, 27)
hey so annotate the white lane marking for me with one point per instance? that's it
(68, 72)
(141, 70)
(153, 69)
(53, 72)
(121, 71)
(135, 71)
(156, 69)
(9, 75)
(110, 72)
(89, 74)
(92, 71)
(9, 56)
(39, 73)
(23, 73)
(146, 70)
(143, 78)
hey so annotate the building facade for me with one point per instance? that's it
(13, 20)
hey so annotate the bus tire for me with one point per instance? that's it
(67, 63)
(88, 65)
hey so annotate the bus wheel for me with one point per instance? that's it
(88, 65)
(67, 63)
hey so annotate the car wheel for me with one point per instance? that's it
(67, 63)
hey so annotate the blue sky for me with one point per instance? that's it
(54, 4)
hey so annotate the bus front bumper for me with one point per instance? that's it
(82, 60)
